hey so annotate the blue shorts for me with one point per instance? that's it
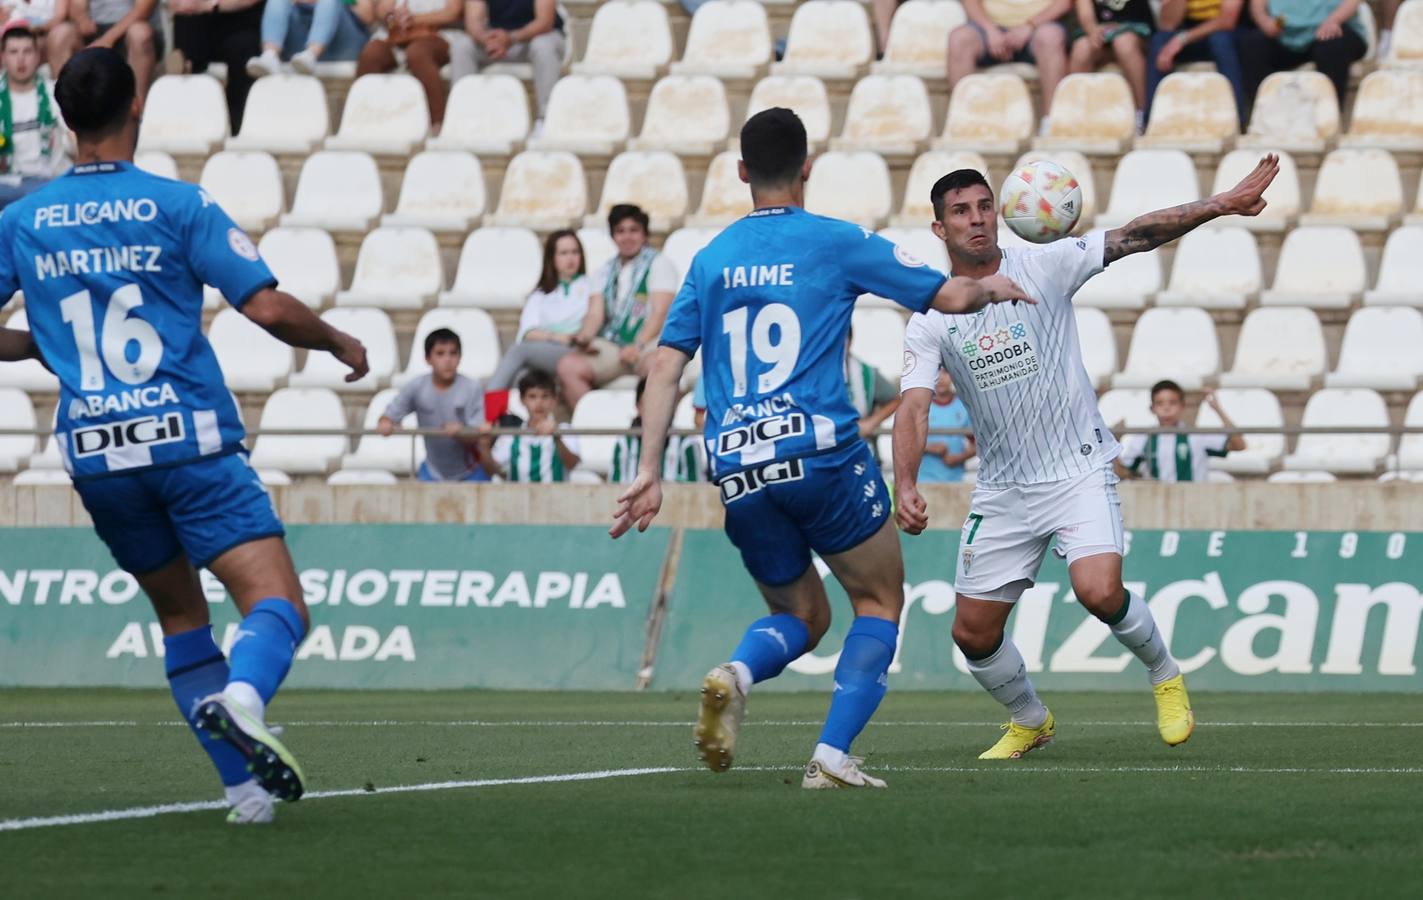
(204, 508)
(778, 513)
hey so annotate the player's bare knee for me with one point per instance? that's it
(1102, 597)
(975, 639)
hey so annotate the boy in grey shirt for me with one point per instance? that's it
(443, 399)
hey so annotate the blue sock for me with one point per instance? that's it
(197, 668)
(770, 644)
(860, 679)
(266, 642)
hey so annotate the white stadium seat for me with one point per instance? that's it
(1248, 408)
(1129, 407)
(1382, 349)
(1279, 348)
(1282, 197)
(251, 359)
(542, 190)
(654, 180)
(917, 211)
(16, 412)
(184, 115)
(684, 244)
(273, 478)
(397, 268)
(725, 197)
(399, 453)
(877, 337)
(304, 261)
(442, 191)
(918, 41)
(1400, 271)
(305, 453)
(156, 162)
(1358, 189)
(284, 114)
(479, 341)
(1388, 111)
(587, 115)
(1192, 111)
(48, 458)
(853, 186)
(602, 409)
(337, 191)
(888, 114)
(1126, 284)
(1321, 268)
(27, 375)
(1305, 477)
(498, 268)
(373, 329)
(36, 477)
(1099, 345)
(804, 95)
(630, 39)
(363, 477)
(1179, 344)
(385, 115)
(1148, 180)
(598, 246)
(1296, 111)
(686, 114)
(830, 39)
(1215, 268)
(729, 39)
(1352, 454)
(1081, 169)
(247, 185)
(989, 112)
(1406, 49)
(1091, 113)
(487, 114)
(1410, 446)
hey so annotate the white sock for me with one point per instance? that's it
(1005, 677)
(829, 757)
(743, 676)
(239, 792)
(245, 694)
(1137, 631)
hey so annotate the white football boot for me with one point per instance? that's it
(820, 776)
(723, 708)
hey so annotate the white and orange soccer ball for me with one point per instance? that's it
(1041, 201)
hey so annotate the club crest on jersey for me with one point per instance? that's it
(241, 244)
(117, 435)
(907, 259)
(1001, 356)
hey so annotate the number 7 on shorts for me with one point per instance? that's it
(977, 520)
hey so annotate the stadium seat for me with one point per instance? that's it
(156, 162)
(687, 115)
(598, 246)
(684, 244)
(28, 375)
(1358, 189)
(1296, 111)
(337, 191)
(304, 261)
(284, 114)
(729, 39)
(1179, 344)
(803, 94)
(919, 38)
(1282, 196)
(1342, 454)
(725, 197)
(1192, 111)
(988, 113)
(1400, 271)
(1406, 49)
(300, 454)
(1215, 268)
(1321, 268)
(184, 115)
(587, 115)
(251, 359)
(1280, 348)
(1148, 180)
(653, 180)
(829, 39)
(1410, 446)
(1129, 407)
(397, 268)
(385, 115)
(1248, 408)
(1388, 111)
(917, 211)
(1306, 477)
(442, 191)
(366, 477)
(1081, 169)
(542, 190)
(888, 114)
(498, 269)
(372, 327)
(853, 186)
(922, 243)
(478, 337)
(629, 39)
(1099, 345)
(48, 458)
(485, 114)
(877, 337)
(602, 409)
(399, 453)
(1091, 113)
(38, 477)
(247, 185)
(16, 412)
(1126, 284)
(273, 478)
(1382, 349)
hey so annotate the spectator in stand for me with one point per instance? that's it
(1117, 30)
(443, 398)
(38, 15)
(1000, 31)
(1328, 33)
(225, 31)
(545, 455)
(628, 306)
(412, 28)
(874, 397)
(552, 315)
(528, 31)
(945, 454)
(34, 144)
(882, 11)
(683, 460)
(1196, 31)
(1388, 11)
(122, 25)
(1175, 457)
(308, 31)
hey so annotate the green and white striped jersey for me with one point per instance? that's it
(533, 457)
(1172, 457)
(682, 462)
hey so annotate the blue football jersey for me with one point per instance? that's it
(113, 261)
(768, 301)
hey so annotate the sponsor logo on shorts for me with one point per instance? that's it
(967, 559)
(910, 361)
(749, 481)
(117, 435)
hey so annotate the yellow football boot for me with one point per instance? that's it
(1017, 740)
(1174, 718)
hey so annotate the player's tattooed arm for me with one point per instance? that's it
(1151, 230)
(16, 345)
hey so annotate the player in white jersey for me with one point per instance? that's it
(1046, 455)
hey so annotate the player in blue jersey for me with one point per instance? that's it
(112, 261)
(768, 303)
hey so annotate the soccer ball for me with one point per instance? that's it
(1041, 201)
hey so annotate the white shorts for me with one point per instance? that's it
(1008, 531)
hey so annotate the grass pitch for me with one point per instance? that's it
(1275, 796)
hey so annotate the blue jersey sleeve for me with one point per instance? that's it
(222, 254)
(9, 277)
(874, 265)
(683, 330)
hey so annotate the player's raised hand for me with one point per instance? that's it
(910, 510)
(1248, 197)
(638, 505)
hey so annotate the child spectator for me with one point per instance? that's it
(1175, 457)
(1120, 30)
(945, 455)
(544, 456)
(552, 315)
(443, 398)
(683, 460)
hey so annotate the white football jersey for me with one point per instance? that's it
(1018, 368)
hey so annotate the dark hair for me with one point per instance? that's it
(549, 279)
(623, 211)
(442, 336)
(17, 31)
(773, 146)
(1167, 385)
(956, 180)
(95, 91)
(536, 378)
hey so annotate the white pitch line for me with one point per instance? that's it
(610, 723)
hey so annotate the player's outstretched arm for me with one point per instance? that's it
(969, 295)
(911, 428)
(1153, 229)
(17, 346)
(641, 502)
(288, 319)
